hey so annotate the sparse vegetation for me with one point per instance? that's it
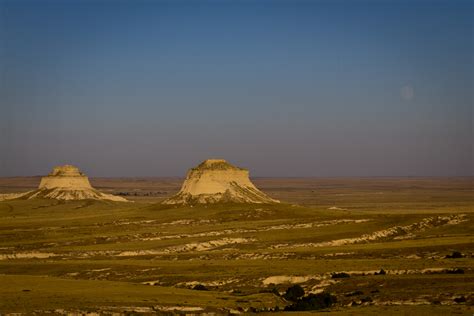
(149, 258)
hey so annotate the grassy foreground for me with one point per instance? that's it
(141, 257)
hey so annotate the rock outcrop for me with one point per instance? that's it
(217, 181)
(66, 183)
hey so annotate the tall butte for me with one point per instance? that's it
(217, 181)
(66, 183)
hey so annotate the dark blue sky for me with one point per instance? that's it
(284, 88)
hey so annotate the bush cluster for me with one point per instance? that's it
(310, 302)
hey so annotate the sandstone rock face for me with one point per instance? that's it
(217, 181)
(66, 177)
(66, 183)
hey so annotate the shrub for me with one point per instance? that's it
(293, 293)
(200, 287)
(455, 255)
(312, 302)
(461, 299)
(340, 275)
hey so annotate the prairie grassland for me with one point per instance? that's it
(80, 256)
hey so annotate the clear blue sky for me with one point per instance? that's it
(283, 88)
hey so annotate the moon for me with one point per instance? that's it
(407, 93)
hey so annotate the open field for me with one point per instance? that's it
(84, 256)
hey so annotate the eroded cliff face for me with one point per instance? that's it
(217, 181)
(65, 183)
(65, 177)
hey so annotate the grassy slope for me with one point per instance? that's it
(26, 293)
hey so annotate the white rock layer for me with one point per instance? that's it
(217, 181)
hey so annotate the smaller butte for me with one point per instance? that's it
(65, 183)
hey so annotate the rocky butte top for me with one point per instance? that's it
(216, 164)
(217, 181)
(66, 170)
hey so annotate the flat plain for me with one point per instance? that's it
(379, 245)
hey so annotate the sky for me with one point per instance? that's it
(283, 88)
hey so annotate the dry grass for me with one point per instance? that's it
(66, 252)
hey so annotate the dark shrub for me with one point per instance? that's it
(312, 302)
(200, 287)
(293, 293)
(340, 275)
(455, 271)
(366, 299)
(461, 299)
(455, 255)
(381, 272)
